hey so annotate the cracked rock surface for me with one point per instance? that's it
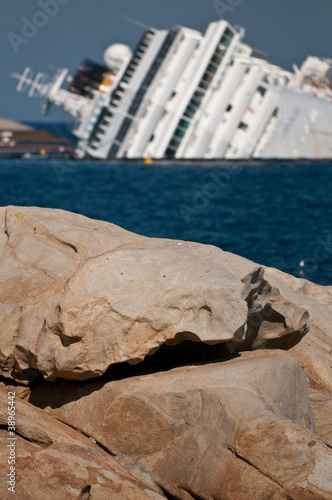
(54, 461)
(194, 427)
(148, 368)
(89, 306)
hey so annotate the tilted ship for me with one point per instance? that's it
(185, 95)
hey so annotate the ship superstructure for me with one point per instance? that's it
(185, 95)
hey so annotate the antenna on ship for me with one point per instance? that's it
(49, 90)
(134, 21)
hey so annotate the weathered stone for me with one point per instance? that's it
(93, 296)
(293, 456)
(321, 402)
(189, 426)
(39, 246)
(54, 461)
(101, 310)
(273, 321)
(314, 351)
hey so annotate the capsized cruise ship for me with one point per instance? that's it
(187, 95)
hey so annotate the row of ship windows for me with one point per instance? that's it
(136, 102)
(117, 95)
(195, 102)
(197, 98)
(184, 124)
(139, 53)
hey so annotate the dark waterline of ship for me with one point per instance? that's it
(279, 215)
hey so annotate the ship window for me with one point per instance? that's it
(227, 37)
(212, 68)
(220, 51)
(198, 96)
(203, 86)
(191, 110)
(229, 108)
(179, 133)
(208, 77)
(175, 143)
(151, 138)
(170, 153)
(224, 40)
(184, 124)
(261, 90)
(216, 59)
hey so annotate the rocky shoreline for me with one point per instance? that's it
(148, 368)
(18, 140)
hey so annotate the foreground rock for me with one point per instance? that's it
(240, 429)
(96, 301)
(82, 312)
(314, 351)
(53, 461)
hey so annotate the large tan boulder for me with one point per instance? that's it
(321, 402)
(81, 309)
(39, 246)
(80, 296)
(289, 455)
(193, 426)
(54, 461)
(314, 351)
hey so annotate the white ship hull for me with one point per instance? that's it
(185, 95)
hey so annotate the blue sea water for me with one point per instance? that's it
(274, 214)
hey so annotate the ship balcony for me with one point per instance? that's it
(103, 126)
(98, 136)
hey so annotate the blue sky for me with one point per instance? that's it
(288, 30)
